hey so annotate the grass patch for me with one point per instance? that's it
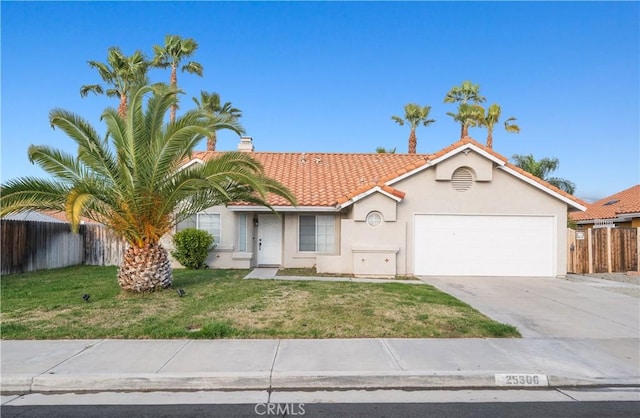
(311, 272)
(307, 272)
(220, 304)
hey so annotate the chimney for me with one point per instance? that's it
(246, 144)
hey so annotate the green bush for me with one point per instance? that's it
(192, 247)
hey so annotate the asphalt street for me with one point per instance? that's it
(370, 410)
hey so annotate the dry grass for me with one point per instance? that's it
(220, 304)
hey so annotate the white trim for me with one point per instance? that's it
(431, 163)
(190, 163)
(627, 217)
(543, 188)
(381, 249)
(367, 193)
(249, 208)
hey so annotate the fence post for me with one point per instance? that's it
(609, 269)
(638, 249)
(590, 248)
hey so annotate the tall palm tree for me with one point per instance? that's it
(171, 54)
(383, 150)
(414, 115)
(130, 181)
(468, 115)
(491, 118)
(122, 73)
(542, 168)
(467, 95)
(210, 104)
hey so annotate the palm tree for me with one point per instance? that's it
(210, 104)
(468, 115)
(171, 54)
(415, 115)
(383, 150)
(130, 179)
(492, 117)
(542, 169)
(467, 95)
(120, 72)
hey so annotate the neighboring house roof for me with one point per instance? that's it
(44, 216)
(31, 215)
(626, 202)
(337, 180)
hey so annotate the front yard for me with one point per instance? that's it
(220, 304)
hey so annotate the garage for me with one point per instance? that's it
(484, 245)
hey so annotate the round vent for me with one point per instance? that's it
(462, 179)
(374, 219)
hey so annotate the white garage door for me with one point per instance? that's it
(484, 245)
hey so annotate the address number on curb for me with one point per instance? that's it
(521, 380)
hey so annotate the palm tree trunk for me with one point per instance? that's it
(490, 139)
(145, 269)
(413, 141)
(122, 107)
(174, 84)
(211, 142)
(462, 131)
(465, 131)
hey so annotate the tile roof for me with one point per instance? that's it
(626, 201)
(324, 179)
(328, 179)
(54, 216)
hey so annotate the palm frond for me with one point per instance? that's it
(32, 193)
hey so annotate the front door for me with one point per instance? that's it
(269, 240)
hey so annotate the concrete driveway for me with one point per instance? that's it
(547, 307)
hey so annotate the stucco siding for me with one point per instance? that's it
(375, 202)
(504, 194)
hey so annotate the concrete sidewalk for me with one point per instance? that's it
(339, 364)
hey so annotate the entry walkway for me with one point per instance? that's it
(269, 273)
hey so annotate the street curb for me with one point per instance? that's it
(51, 383)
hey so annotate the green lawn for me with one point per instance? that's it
(220, 304)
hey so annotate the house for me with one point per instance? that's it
(618, 210)
(464, 210)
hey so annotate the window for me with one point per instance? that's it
(242, 232)
(316, 233)
(374, 219)
(209, 222)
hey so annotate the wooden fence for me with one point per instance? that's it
(603, 250)
(30, 246)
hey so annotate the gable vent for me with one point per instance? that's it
(462, 179)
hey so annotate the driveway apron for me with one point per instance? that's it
(547, 307)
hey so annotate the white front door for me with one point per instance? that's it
(269, 240)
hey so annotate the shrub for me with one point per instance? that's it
(192, 247)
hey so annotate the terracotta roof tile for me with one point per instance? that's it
(626, 201)
(324, 179)
(327, 179)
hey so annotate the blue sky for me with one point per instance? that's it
(328, 76)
